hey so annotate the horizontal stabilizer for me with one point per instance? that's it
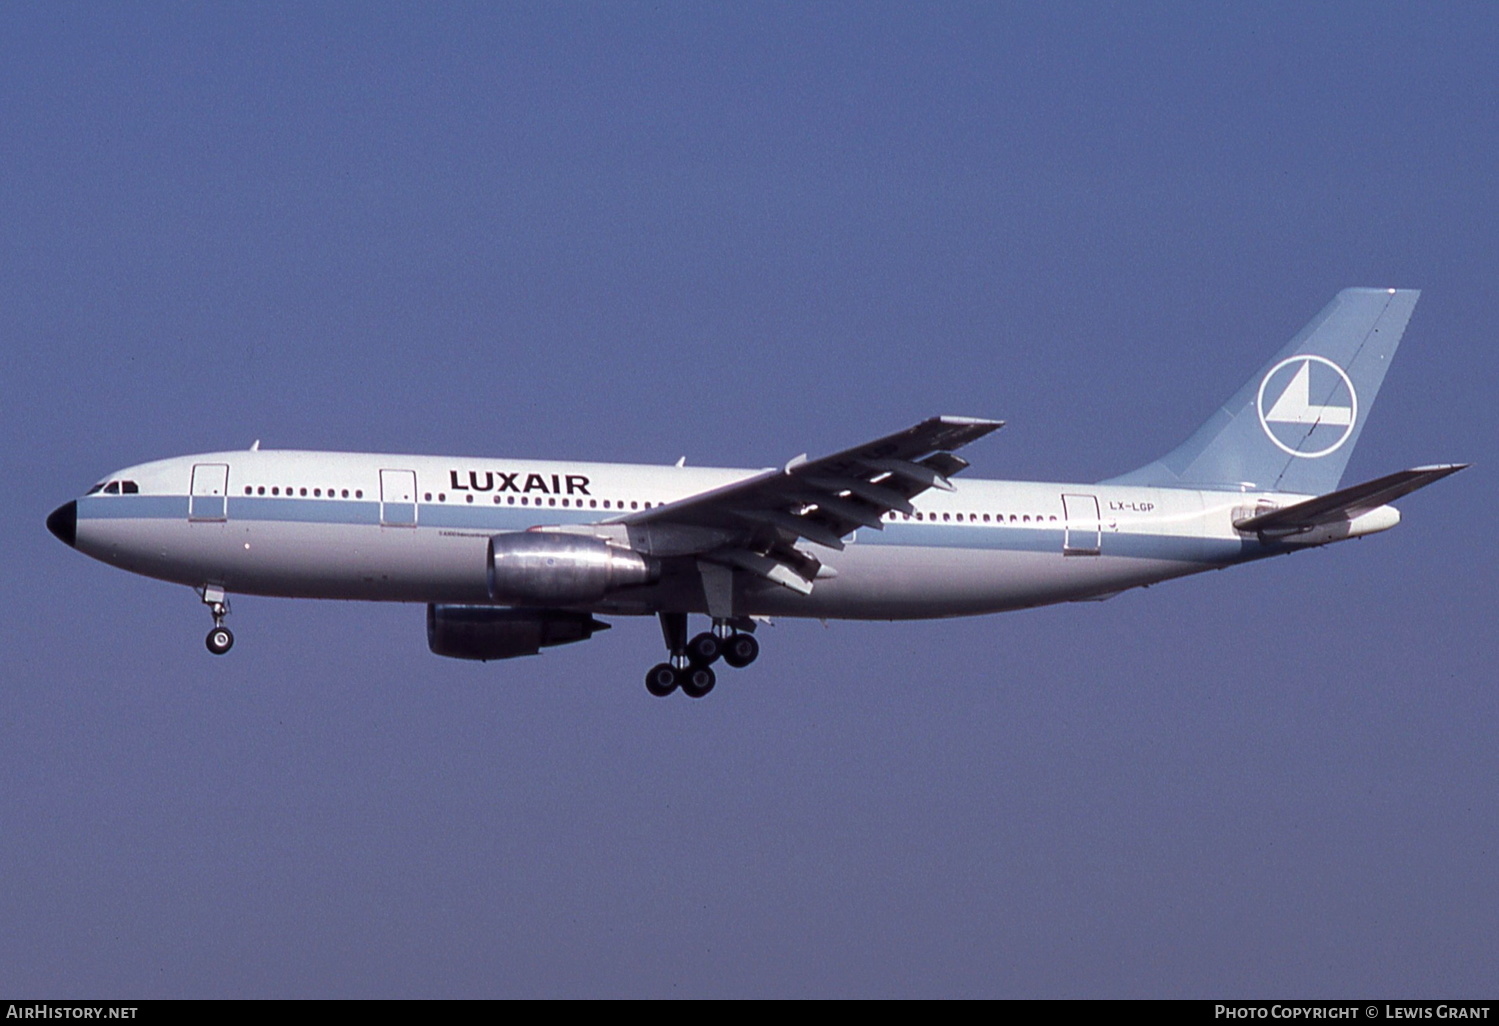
(1346, 503)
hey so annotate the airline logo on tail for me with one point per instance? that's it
(1297, 422)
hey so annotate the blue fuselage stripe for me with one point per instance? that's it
(487, 517)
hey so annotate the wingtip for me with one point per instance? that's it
(1379, 290)
(956, 421)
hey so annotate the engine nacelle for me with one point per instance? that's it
(540, 568)
(484, 632)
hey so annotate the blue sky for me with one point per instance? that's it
(739, 233)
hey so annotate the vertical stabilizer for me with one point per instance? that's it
(1292, 427)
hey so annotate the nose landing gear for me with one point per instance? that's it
(221, 638)
(690, 664)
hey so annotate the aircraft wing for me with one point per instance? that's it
(1346, 503)
(756, 524)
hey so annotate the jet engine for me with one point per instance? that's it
(539, 568)
(485, 632)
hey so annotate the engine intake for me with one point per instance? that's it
(484, 632)
(538, 568)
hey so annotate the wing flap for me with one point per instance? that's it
(802, 526)
(918, 474)
(767, 567)
(878, 496)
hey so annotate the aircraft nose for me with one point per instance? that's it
(63, 522)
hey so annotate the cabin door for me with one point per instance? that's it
(1083, 533)
(208, 497)
(398, 498)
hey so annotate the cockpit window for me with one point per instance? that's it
(96, 489)
(113, 488)
(129, 488)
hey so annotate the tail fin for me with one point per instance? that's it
(1292, 427)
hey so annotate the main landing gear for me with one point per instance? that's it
(690, 664)
(221, 638)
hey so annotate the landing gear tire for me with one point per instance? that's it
(740, 650)
(219, 640)
(704, 649)
(697, 681)
(662, 680)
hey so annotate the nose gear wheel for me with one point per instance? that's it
(220, 640)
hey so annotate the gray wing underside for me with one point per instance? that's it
(758, 524)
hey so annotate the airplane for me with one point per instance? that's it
(512, 556)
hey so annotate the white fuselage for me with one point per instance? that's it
(415, 529)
